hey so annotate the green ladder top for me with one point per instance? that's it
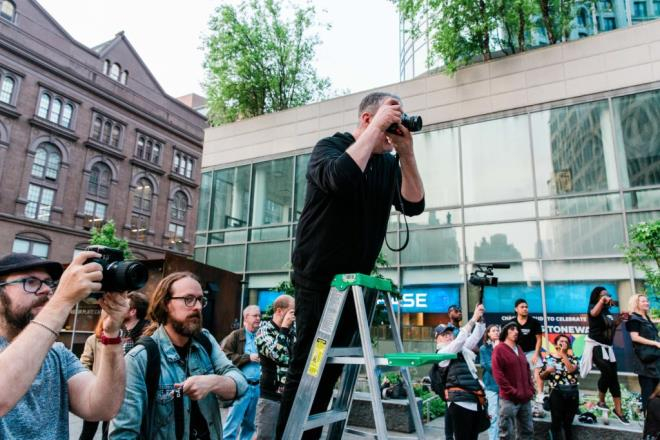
(343, 282)
(416, 359)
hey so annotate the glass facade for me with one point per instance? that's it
(550, 192)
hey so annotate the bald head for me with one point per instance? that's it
(283, 302)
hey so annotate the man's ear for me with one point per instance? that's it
(365, 118)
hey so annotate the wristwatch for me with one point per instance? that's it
(110, 341)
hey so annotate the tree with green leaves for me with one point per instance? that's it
(106, 236)
(257, 61)
(644, 252)
(557, 18)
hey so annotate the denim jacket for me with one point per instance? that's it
(126, 425)
(486, 358)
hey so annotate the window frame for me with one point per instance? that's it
(31, 242)
(99, 189)
(3, 16)
(149, 149)
(58, 109)
(183, 164)
(107, 131)
(48, 171)
(38, 203)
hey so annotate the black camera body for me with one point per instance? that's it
(411, 122)
(483, 274)
(119, 275)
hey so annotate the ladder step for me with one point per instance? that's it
(354, 360)
(345, 351)
(325, 418)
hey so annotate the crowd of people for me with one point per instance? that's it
(151, 371)
(515, 371)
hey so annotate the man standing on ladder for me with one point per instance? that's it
(352, 183)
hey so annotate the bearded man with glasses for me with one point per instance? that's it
(192, 370)
(41, 380)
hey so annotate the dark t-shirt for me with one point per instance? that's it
(528, 332)
(601, 327)
(199, 429)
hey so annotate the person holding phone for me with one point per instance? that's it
(560, 371)
(599, 351)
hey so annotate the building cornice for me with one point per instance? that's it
(97, 90)
(94, 145)
(9, 111)
(54, 129)
(147, 166)
(182, 180)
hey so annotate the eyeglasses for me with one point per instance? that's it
(32, 284)
(190, 300)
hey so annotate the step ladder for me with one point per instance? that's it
(365, 291)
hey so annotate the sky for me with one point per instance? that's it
(359, 52)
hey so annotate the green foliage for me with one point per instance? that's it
(461, 31)
(644, 251)
(106, 237)
(432, 405)
(259, 62)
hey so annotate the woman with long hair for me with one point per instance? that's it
(560, 370)
(646, 343)
(599, 351)
(89, 359)
(491, 339)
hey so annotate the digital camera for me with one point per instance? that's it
(411, 122)
(119, 275)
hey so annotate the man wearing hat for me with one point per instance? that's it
(41, 380)
(455, 317)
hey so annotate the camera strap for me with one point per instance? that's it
(405, 219)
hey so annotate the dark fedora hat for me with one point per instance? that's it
(13, 263)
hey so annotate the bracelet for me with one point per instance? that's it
(41, 324)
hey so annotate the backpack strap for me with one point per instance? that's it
(205, 342)
(152, 378)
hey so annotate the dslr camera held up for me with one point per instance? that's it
(119, 275)
(411, 122)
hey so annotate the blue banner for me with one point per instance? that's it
(430, 298)
(266, 298)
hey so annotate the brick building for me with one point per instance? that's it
(88, 135)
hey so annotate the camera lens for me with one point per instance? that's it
(126, 275)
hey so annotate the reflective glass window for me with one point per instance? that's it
(636, 118)
(227, 257)
(231, 198)
(445, 217)
(436, 153)
(580, 205)
(643, 199)
(573, 149)
(497, 163)
(301, 183)
(268, 256)
(505, 211)
(501, 242)
(439, 246)
(204, 199)
(272, 192)
(581, 236)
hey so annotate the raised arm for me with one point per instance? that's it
(22, 359)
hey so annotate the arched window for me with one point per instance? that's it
(66, 115)
(148, 150)
(7, 89)
(116, 132)
(106, 67)
(155, 155)
(46, 162)
(7, 10)
(179, 207)
(115, 71)
(124, 77)
(31, 243)
(107, 128)
(176, 163)
(189, 168)
(142, 196)
(44, 105)
(99, 180)
(96, 128)
(55, 110)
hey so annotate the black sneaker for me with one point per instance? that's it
(622, 418)
(602, 405)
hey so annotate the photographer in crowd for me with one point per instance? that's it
(42, 381)
(646, 344)
(466, 399)
(560, 370)
(599, 351)
(352, 183)
(275, 339)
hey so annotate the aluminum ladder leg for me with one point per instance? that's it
(352, 357)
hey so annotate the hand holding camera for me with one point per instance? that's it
(79, 279)
(116, 305)
(119, 275)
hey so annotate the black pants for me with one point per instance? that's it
(608, 374)
(464, 422)
(309, 308)
(647, 384)
(89, 430)
(652, 421)
(562, 412)
(449, 428)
